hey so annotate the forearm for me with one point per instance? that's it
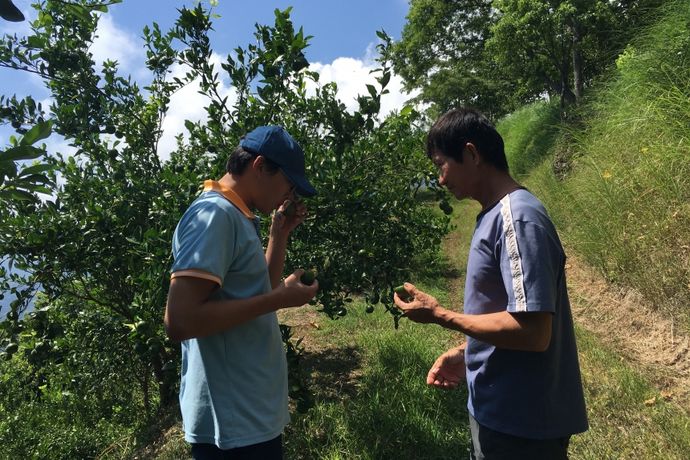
(502, 329)
(214, 316)
(275, 259)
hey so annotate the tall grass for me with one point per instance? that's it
(625, 204)
(628, 418)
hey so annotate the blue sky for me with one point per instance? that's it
(342, 48)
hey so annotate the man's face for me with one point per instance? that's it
(454, 175)
(274, 188)
(281, 189)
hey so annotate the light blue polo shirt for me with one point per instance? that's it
(233, 390)
(516, 263)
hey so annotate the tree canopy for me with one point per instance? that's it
(497, 55)
(91, 259)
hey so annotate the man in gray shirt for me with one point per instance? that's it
(520, 358)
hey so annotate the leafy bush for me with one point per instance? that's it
(94, 356)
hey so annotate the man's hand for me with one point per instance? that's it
(294, 292)
(422, 308)
(288, 216)
(448, 370)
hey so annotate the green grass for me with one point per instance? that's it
(623, 199)
(374, 403)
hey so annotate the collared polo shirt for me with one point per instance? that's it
(233, 389)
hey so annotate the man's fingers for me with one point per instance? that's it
(411, 288)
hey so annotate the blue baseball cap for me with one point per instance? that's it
(9, 12)
(276, 144)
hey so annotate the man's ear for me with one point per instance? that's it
(473, 153)
(259, 163)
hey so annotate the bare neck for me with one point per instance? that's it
(496, 185)
(239, 185)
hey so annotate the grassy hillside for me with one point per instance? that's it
(617, 180)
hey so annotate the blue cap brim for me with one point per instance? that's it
(302, 185)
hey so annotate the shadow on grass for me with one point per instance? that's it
(385, 411)
(334, 372)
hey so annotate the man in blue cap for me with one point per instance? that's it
(224, 294)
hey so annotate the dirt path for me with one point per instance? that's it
(621, 319)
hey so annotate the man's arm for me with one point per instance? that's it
(190, 314)
(530, 331)
(281, 226)
(513, 331)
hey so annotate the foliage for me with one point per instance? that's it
(498, 55)
(19, 181)
(529, 135)
(623, 200)
(93, 259)
(442, 52)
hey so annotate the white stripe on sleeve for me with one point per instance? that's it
(514, 255)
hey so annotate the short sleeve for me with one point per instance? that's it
(531, 264)
(203, 244)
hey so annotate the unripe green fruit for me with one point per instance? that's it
(446, 207)
(290, 209)
(403, 294)
(308, 277)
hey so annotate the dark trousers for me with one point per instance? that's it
(269, 450)
(488, 444)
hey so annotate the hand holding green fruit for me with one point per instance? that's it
(403, 294)
(308, 277)
(290, 209)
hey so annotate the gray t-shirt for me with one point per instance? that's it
(516, 263)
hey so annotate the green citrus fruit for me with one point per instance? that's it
(308, 277)
(402, 293)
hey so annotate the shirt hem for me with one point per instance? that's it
(234, 443)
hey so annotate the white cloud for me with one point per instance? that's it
(189, 104)
(352, 75)
(116, 44)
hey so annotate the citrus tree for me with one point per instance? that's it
(91, 261)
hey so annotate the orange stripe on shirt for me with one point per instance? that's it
(229, 195)
(197, 274)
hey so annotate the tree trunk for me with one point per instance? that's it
(577, 59)
(567, 96)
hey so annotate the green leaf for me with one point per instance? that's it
(21, 152)
(35, 169)
(40, 131)
(384, 79)
(33, 179)
(20, 195)
(35, 41)
(8, 168)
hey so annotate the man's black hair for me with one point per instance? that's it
(240, 158)
(457, 127)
